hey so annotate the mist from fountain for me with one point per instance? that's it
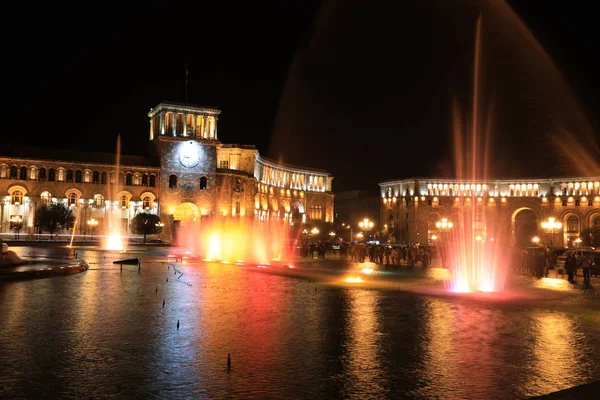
(474, 248)
(238, 239)
(114, 240)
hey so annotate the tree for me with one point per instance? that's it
(53, 217)
(146, 224)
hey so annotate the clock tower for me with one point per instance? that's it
(185, 138)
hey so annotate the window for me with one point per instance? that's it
(572, 224)
(42, 174)
(237, 208)
(13, 172)
(96, 177)
(45, 198)
(203, 183)
(146, 203)
(87, 176)
(23, 174)
(144, 180)
(124, 202)
(152, 180)
(564, 203)
(3, 171)
(111, 178)
(72, 198)
(103, 178)
(77, 176)
(98, 200)
(173, 181)
(69, 176)
(128, 180)
(590, 202)
(32, 174)
(577, 203)
(237, 187)
(224, 164)
(51, 175)
(17, 197)
(61, 175)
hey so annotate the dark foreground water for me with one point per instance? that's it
(105, 334)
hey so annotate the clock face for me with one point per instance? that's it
(189, 157)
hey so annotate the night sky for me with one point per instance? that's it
(363, 89)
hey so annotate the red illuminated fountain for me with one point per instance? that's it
(474, 250)
(238, 240)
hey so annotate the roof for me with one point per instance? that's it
(281, 164)
(193, 108)
(49, 154)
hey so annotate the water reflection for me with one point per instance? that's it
(559, 353)
(105, 333)
(363, 348)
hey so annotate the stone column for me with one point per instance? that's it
(215, 129)
(204, 127)
(193, 125)
(162, 123)
(152, 128)
(185, 124)
(174, 123)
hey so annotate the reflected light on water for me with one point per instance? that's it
(553, 283)
(363, 360)
(559, 353)
(353, 279)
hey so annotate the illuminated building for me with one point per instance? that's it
(411, 207)
(189, 175)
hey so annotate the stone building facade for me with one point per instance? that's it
(189, 174)
(517, 208)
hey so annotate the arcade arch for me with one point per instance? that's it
(524, 224)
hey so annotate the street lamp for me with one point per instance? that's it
(332, 234)
(444, 225)
(92, 223)
(314, 231)
(536, 240)
(551, 226)
(366, 225)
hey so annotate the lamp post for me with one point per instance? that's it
(535, 240)
(366, 225)
(92, 223)
(551, 226)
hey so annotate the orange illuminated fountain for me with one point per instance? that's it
(114, 240)
(473, 248)
(238, 239)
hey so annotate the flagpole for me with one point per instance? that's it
(186, 79)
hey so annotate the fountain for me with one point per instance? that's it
(114, 241)
(473, 247)
(237, 240)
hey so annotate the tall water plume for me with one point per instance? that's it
(114, 240)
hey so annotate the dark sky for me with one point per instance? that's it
(366, 91)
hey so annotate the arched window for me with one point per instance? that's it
(78, 176)
(111, 178)
(128, 180)
(23, 174)
(17, 197)
(173, 181)
(45, 198)
(98, 200)
(144, 180)
(87, 176)
(573, 224)
(69, 175)
(103, 178)
(96, 177)
(147, 203)
(14, 172)
(203, 183)
(51, 175)
(124, 202)
(152, 180)
(73, 199)
(42, 174)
